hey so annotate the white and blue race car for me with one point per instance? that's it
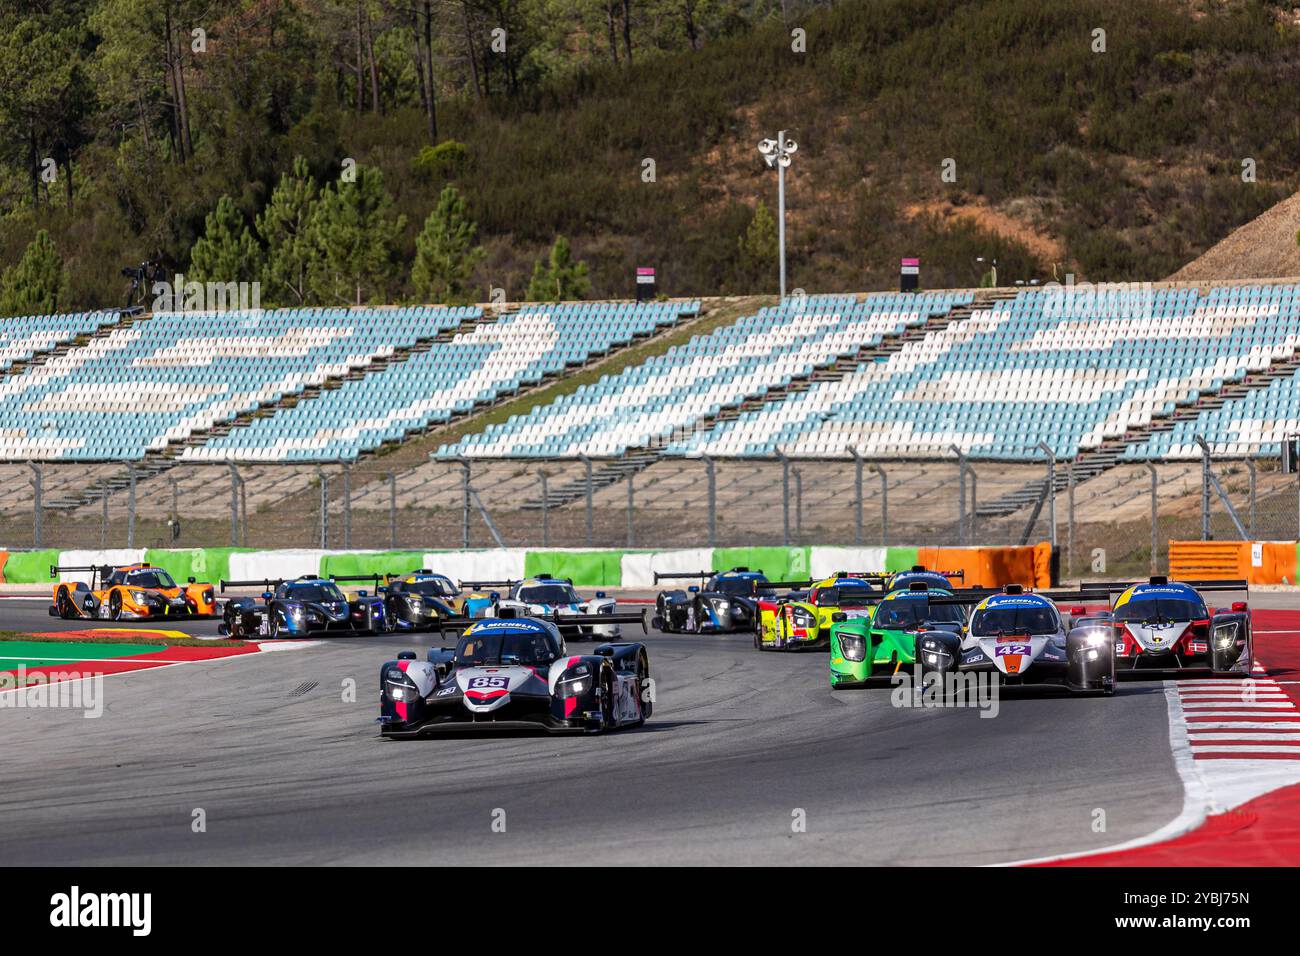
(556, 599)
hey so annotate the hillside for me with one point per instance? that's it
(1117, 164)
(1267, 247)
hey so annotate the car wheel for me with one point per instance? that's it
(273, 625)
(115, 605)
(608, 720)
(642, 687)
(65, 606)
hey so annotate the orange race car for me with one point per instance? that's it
(132, 592)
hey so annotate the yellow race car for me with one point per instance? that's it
(134, 592)
(802, 620)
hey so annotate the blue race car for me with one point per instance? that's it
(300, 607)
(727, 603)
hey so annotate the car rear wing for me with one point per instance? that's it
(481, 585)
(357, 577)
(266, 584)
(1230, 584)
(95, 570)
(459, 624)
(976, 595)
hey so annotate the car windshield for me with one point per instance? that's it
(150, 578)
(846, 595)
(316, 593)
(434, 587)
(741, 586)
(497, 647)
(910, 612)
(1161, 609)
(549, 594)
(1023, 619)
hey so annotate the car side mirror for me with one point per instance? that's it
(495, 596)
(694, 589)
(267, 595)
(191, 579)
(361, 593)
(600, 594)
(381, 590)
(1239, 606)
(839, 617)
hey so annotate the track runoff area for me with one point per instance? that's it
(191, 750)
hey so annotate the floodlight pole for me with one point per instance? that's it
(778, 153)
(1046, 449)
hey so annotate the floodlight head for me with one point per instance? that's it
(784, 160)
(766, 147)
(791, 146)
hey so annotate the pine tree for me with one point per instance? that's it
(227, 251)
(558, 278)
(32, 286)
(445, 254)
(354, 235)
(758, 246)
(284, 226)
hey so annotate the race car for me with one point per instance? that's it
(803, 620)
(727, 602)
(134, 592)
(419, 599)
(901, 580)
(878, 644)
(1162, 627)
(545, 596)
(515, 673)
(1020, 636)
(298, 607)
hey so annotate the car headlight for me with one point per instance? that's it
(139, 597)
(1225, 634)
(399, 687)
(853, 646)
(607, 609)
(574, 682)
(1096, 639)
(802, 617)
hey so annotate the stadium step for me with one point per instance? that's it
(162, 459)
(636, 460)
(125, 319)
(1093, 462)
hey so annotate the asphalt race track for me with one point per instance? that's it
(286, 771)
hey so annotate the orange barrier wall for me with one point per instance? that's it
(1029, 565)
(1259, 562)
(4, 559)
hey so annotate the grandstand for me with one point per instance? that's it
(1108, 378)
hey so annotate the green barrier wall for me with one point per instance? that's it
(203, 564)
(381, 562)
(30, 567)
(588, 569)
(900, 559)
(779, 564)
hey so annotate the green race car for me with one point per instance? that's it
(883, 641)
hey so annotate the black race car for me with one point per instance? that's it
(726, 603)
(515, 673)
(298, 607)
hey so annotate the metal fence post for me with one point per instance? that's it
(234, 505)
(347, 505)
(324, 506)
(130, 504)
(1205, 487)
(1155, 539)
(961, 495)
(974, 502)
(857, 496)
(38, 506)
(713, 500)
(631, 505)
(243, 511)
(785, 498)
(884, 507)
(1069, 520)
(798, 503)
(586, 463)
(464, 485)
(392, 510)
(546, 510)
(103, 516)
(175, 522)
(1051, 490)
(1250, 467)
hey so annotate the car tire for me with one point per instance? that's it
(115, 605)
(272, 625)
(642, 684)
(65, 606)
(607, 719)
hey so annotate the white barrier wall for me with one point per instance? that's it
(113, 557)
